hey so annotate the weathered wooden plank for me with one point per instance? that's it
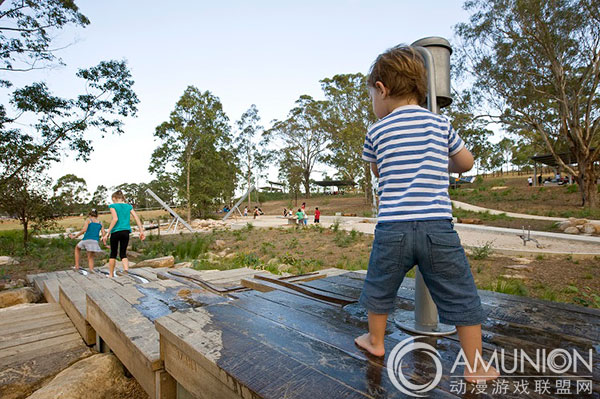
(340, 299)
(130, 335)
(17, 338)
(261, 370)
(10, 315)
(35, 323)
(51, 290)
(504, 335)
(525, 313)
(326, 346)
(38, 349)
(73, 300)
(202, 384)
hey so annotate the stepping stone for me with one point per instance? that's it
(519, 267)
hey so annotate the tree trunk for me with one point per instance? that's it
(249, 194)
(189, 202)
(25, 234)
(589, 188)
(307, 183)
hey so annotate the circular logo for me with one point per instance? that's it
(395, 363)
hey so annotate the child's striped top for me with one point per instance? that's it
(411, 147)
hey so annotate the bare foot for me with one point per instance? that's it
(364, 342)
(480, 374)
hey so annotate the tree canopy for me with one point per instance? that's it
(536, 69)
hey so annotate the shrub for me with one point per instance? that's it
(483, 252)
(510, 286)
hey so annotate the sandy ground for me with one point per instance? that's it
(500, 239)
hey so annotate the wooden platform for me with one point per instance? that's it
(36, 342)
(285, 343)
(118, 314)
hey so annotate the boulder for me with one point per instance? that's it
(572, 230)
(18, 296)
(182, 265)
(580, 221)
(165, 261)
(563, 225)
(470, 221)
(7, 261)
(220, 243)
(97, 377)
(589, 228)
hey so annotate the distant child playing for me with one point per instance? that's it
(300, 216)
(317, 215)
(90, 242)
(119, 230)
(412, 150)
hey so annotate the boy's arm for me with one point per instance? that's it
(460, 162)
(374, 169)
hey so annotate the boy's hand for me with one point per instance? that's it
(142, 235)
(71, 235)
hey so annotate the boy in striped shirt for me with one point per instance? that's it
(412, 150)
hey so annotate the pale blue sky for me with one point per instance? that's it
(262, 52)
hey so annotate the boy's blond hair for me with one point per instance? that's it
(402, 71)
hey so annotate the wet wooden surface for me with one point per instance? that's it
(286, 343)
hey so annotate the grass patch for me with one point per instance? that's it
(508, 286)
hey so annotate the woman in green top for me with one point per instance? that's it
(119, 230)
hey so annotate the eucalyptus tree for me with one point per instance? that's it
(536, 68)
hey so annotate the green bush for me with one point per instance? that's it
(482, 252)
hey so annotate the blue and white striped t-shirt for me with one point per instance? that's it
(411, 147)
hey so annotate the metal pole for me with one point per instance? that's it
(424, 319)
(171, 211)
(238, 203)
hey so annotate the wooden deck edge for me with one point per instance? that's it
(50, 290)
(195, 378)
(157, 383)
(84, 328)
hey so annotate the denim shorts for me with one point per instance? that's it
(435, 247)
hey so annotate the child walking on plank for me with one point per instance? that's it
(119, 231)
(412, 150)
(90, 242)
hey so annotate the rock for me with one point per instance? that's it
(18, 296)
(133, 254)
(283, 267)
(181, 265)
(580, 221)
(498, 188)
(229, 256)
(563, 225)
(470, 221)
(7, 261)
(589, 228)
(219, 243)
(519, 267)
(572, 230)
(165, 261)
(273, 261)
(222, 254)
(97, 377)
(522, 261)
